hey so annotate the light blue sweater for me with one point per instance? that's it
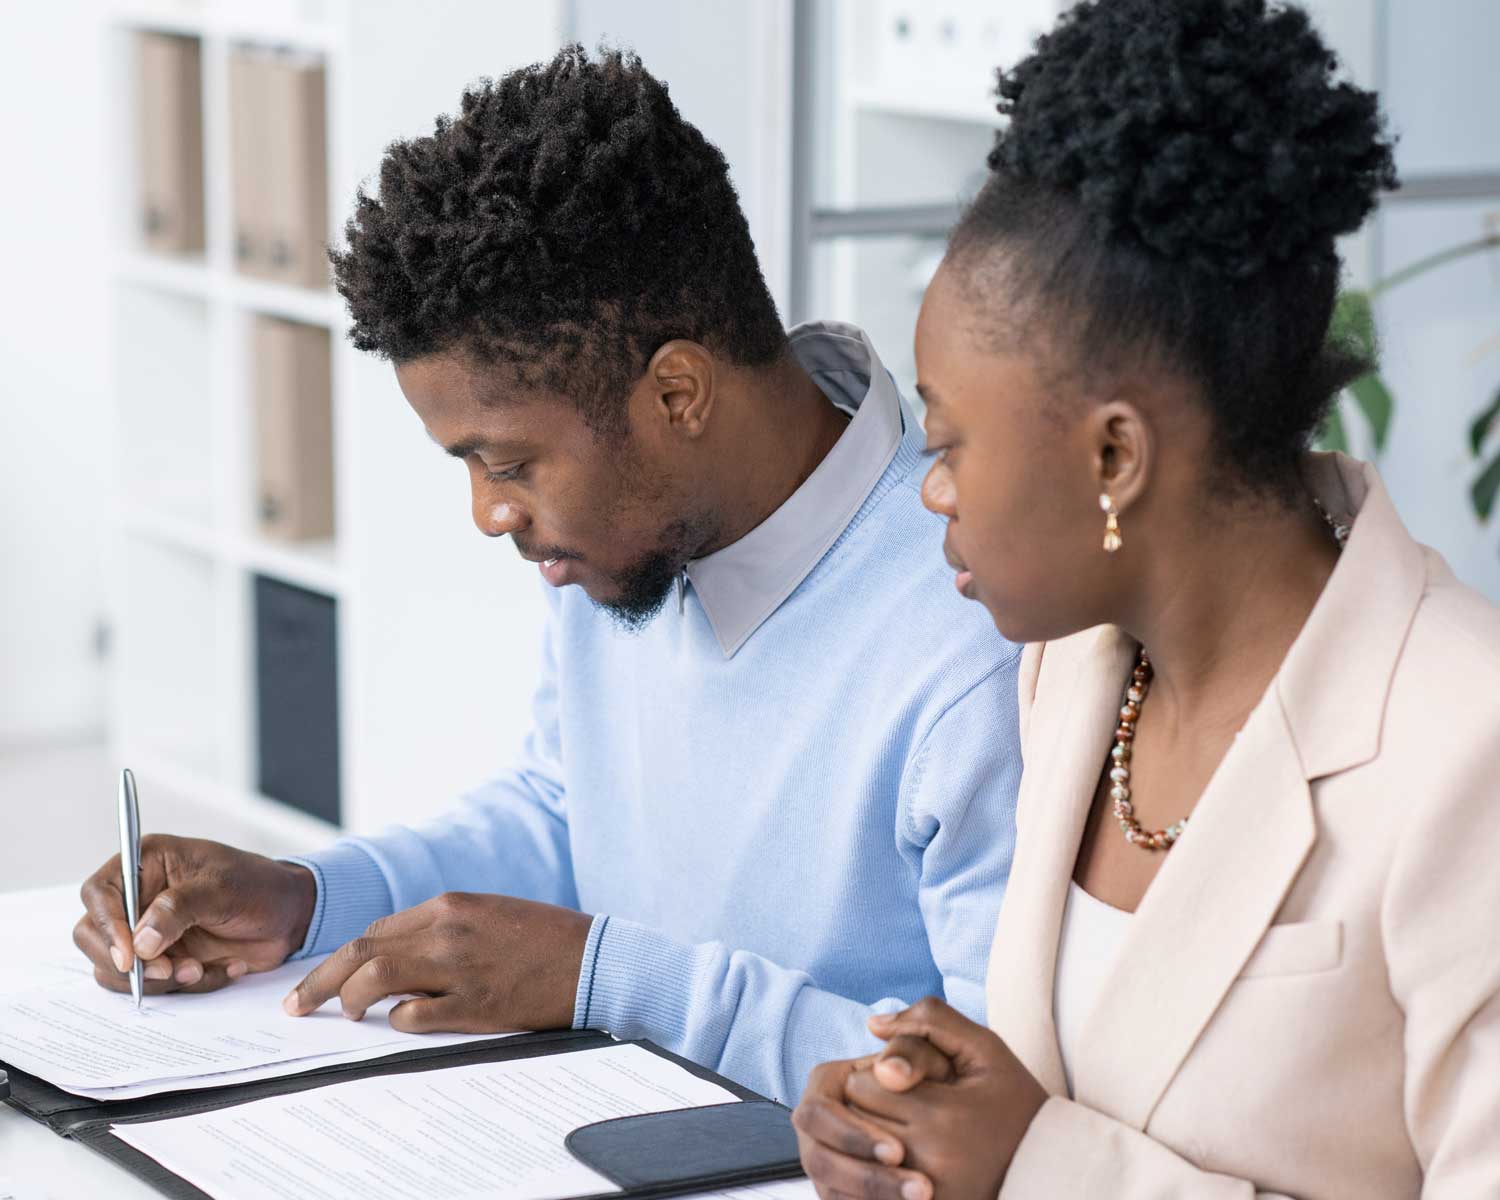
(776, 843)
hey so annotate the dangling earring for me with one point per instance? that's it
(1112, 539)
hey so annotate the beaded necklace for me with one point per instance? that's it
(1130, 712)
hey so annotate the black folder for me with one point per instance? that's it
(648, 1156)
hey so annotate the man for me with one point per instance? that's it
(771, 781)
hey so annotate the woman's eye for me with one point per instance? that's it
(509, 473)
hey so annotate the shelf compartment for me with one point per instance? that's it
(164, 402)
(168, 668)
(297, 697)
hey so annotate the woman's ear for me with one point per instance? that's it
(1122, 446)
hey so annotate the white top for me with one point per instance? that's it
(1091, 935)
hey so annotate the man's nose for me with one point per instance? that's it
(496, 519)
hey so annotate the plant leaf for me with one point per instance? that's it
(1333, 436)
(1485, 488)
(1483, 424)
(1353, 323)
(1375, 402)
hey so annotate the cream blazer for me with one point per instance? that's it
(1307, 1001)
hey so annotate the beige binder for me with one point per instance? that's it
(294, 430)
(249, 160)
(170, 143)
(298, 209)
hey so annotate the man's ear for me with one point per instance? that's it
(680, 386)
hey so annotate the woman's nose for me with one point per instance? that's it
(938, 493)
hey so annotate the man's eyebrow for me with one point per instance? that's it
(458, 449)
(929, 397)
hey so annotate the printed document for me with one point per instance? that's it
(492, 1130)
(95, 1043)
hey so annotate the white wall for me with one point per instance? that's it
(55, 453)
(727, 65)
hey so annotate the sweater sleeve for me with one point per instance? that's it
(768, 1026)
(508, 836)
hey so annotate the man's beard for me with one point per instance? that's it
(643, 587)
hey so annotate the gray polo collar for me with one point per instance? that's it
(745, 582)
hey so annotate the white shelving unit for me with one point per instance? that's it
(907, 120)
(437, 628)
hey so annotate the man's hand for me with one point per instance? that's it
(477, 963)
(210, 914)
(946, 1100)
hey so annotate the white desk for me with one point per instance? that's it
(34, 926)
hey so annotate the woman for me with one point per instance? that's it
(1251, 942)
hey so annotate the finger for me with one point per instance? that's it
(435, 1014)
(211, 977)
(872, 1100)
(114, 981)
(837, 1172)
(907, 1061)
(186, 970)
(945, 1027)
(88, 938)
(189, 970)
(171, 913)
(105, 904)
(327, 979)
(831, 1122)
(387, 975)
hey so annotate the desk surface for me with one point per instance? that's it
(35, 1161)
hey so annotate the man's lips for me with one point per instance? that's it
(555, 570)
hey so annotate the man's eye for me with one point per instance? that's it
(509, 473)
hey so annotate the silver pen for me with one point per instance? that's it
(130, 872)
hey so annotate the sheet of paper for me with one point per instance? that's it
(492, 1130)
(95, 1043)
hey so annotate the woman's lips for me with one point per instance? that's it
(964, 582)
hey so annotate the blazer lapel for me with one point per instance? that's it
(1204, 913)
(1056, 791)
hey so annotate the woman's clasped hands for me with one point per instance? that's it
(936, 1115)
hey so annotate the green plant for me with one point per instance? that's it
(1354, 324)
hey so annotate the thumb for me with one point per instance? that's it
(171, 914)
(950, 1032)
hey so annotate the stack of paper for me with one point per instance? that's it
(491, 1130)
(97, 1044)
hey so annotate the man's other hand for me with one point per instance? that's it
(474, 963)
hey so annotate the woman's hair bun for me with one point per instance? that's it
(1212, 131)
